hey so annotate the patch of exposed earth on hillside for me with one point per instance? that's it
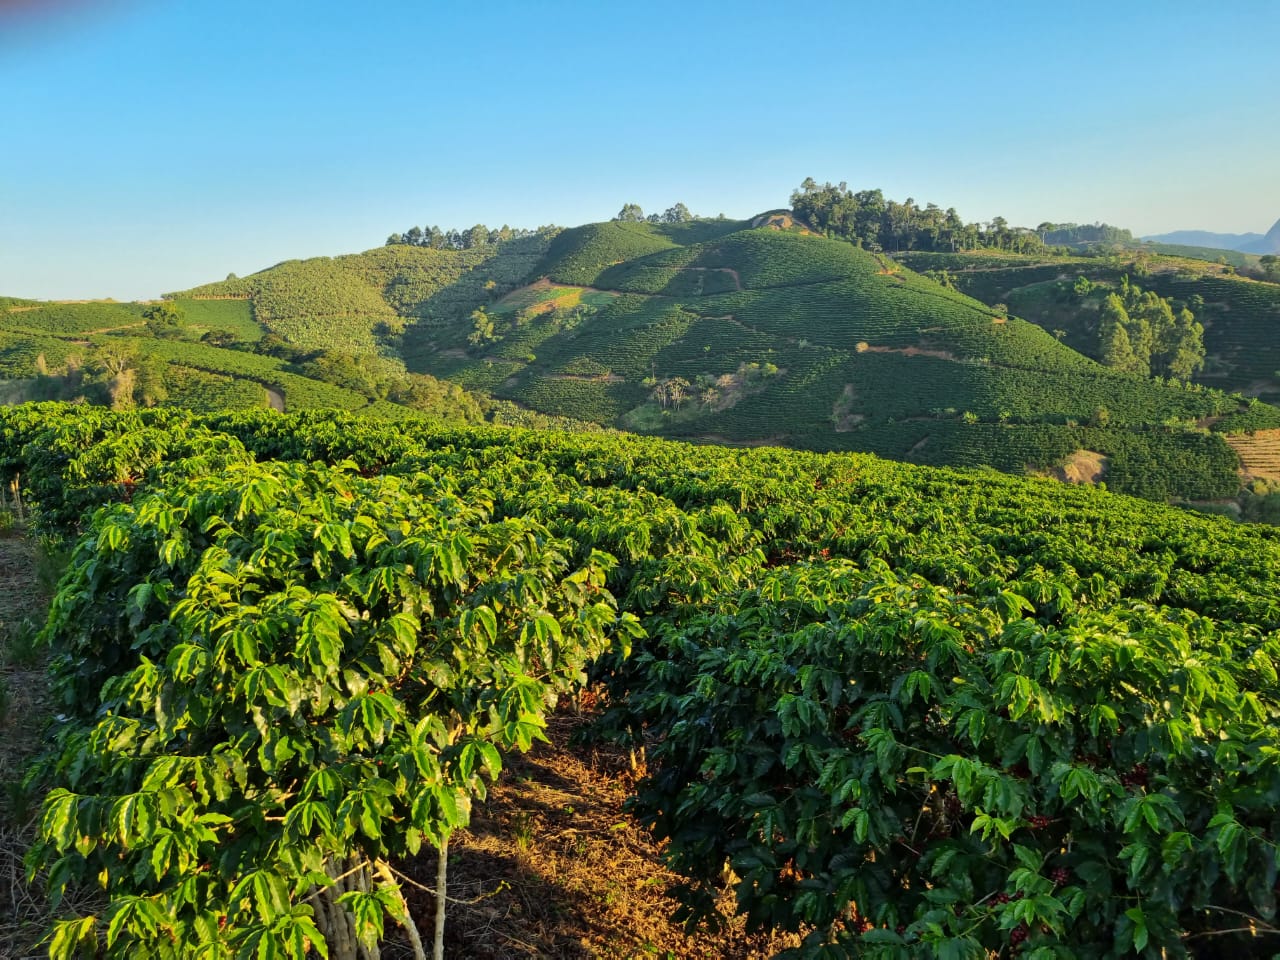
(1259, 454)
(780, 221)
(843, 414)
(864, 347)
(1083, 466)
(917, 447)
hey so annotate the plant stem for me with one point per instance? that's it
(442, 872)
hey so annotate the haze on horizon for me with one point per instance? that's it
(154, 145)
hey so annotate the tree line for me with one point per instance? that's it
(870, 220)
(478, 236)
(631, 213)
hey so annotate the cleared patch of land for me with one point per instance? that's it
(1259, 454)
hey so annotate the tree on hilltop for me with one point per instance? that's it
(630, 213)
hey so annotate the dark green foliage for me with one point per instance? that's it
(921, 769)
(74, 318)
(1240, 316)
(924, 692)
(580, 254)
(868, 219)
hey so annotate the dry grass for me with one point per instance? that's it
(1259, 454)
(1083, 466)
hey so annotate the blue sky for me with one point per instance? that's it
(154, 144)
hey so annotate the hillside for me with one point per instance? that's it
(871, 703)
(209, 355)
(1241, 316)
(754, 332)
(358, 301)
(751, 336)
(1207, 238)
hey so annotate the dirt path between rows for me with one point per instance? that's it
(23, 909)
(910, 352)
(275, 398)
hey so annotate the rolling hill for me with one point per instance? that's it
(752, 332)
(775, 336)
(1241, 316)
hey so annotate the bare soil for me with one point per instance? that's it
(1259, 454)
(908, 351)
(23, 910)
(1083, 466)
(552, 867)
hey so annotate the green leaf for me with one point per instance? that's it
(69, 936)
(1139, 919)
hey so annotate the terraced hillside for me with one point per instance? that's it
(751, 336)
(741, 332)
(116, 353)
(360, 301)
(1259, 454)
(1241, 316)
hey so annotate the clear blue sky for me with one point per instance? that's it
(149, 145)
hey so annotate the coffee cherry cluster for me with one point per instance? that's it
(1137, 777)
(1060, 876)
(1038, 822)
(1018, 935)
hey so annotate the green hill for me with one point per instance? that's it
(752, 336)
(713, 331)
(359, 301)
(1241, 316)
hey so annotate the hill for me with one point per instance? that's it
(1240, 315)
(764, 335)
(209, 355)
(1268, 244)
(752, 332)
(1243, 242)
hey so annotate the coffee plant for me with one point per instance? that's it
(908, 712)
(279, 678)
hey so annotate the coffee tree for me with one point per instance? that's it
(279, 678)
(907, 770)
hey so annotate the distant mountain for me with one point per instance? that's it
(1268, 244)
(1244, 242)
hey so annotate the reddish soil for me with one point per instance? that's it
(552, 867)
(909, 352)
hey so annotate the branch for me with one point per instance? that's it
(502, 885)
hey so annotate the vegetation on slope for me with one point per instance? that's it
(1239, 315)
(865, 354)
(807, 618)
